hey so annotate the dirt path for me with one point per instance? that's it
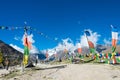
(72, 72)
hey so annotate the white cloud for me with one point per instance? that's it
(34, 50)
(51, 52)
(16, 38)
(17, 48)
(78, 45)
(69, 45)
(94, 38)
(107, 42)
(56, 39)
(30, 38)
(118, 38)
(66, 44)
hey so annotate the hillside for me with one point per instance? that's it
(13, 55)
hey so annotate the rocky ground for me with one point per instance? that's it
(87, 71)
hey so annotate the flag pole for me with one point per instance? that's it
(22, 64)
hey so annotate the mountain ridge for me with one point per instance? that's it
(15, 57)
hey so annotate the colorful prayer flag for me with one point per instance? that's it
(90, 43)
(79, 48)
(27, 47)
(47, 55)
(114, 38)
(114, 43)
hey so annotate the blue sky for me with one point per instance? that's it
(58, 19)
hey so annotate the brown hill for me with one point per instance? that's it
(108, 50)
(14, 56)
